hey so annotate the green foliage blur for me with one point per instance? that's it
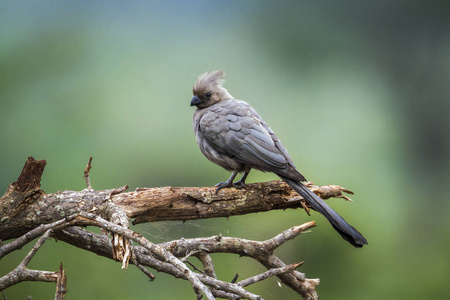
(358, 92)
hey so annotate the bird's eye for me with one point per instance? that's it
(208, 95)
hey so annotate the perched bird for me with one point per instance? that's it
(230, 133)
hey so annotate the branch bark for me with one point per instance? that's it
(28, 213)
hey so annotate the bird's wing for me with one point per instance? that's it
(236, 130)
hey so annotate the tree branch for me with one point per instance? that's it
(22, 273)
(189, 203)
(260, 250)
(28, 213)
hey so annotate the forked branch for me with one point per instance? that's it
(28, 213)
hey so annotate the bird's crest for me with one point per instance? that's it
(209, 81)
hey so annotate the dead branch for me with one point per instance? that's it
(261, 251)
(32, 234)
(61, 284)
(22, 273)
(162, 253)
(145, 205)
(189, 203)
(28, 213)
(86, 174)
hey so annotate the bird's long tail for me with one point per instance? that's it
(347, 231)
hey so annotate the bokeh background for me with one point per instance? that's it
(358, 91)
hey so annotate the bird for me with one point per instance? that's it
(231, 134)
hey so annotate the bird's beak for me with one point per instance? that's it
(195, 101)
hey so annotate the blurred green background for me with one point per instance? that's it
(358, 91)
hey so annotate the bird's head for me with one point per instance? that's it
(208, 89)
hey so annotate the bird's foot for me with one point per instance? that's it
(239, 185)
(229, 183)
(222, 185)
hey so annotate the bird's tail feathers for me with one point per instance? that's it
(348, 232)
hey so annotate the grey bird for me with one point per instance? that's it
(231, 134)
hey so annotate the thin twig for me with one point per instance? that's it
(35, 248)
(22, 273)
(269, 273)
(86, 174)
(287, 235)
(142, 268)
(188, 255)
(34, 233)
(228, 287)
(61, 284)
(186, 260)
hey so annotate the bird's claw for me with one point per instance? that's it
(238, 185)
(222, 185)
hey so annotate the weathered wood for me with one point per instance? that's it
(47, 208)
(188, 203)
(25, 190)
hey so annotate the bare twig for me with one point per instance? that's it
(35, 248)
(279, 239)
(269, 273)
(143, 269)
(61, 284)
(228, 287)
(31, 235)
(22, 273)
(86, 174)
